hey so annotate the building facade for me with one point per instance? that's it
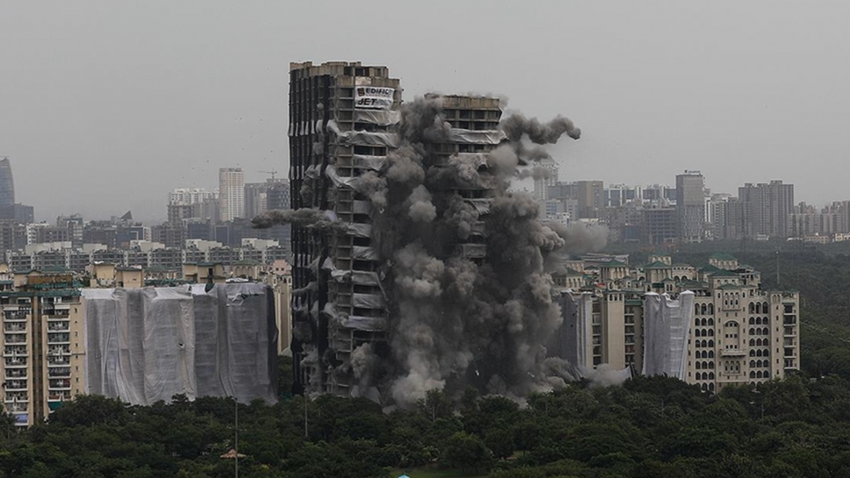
(43, 350)
(231, 193)
(690, 206)
(737, 333)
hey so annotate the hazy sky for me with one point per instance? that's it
(107, 105)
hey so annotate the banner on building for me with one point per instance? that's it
(373, 97)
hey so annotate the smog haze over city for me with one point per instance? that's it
(107, 106)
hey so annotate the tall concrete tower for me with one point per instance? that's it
(231, 184)
(7, 184)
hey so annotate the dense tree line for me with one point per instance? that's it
(649, 427)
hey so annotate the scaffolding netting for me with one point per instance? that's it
(146, 345)
(666, 327)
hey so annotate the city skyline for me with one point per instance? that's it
(149, 113)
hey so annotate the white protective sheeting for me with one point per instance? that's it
(378, 117)
(368, 324)
(362, 161)
(339, 181)
(364, 253)
(570, 341)
(359, 230)
(368, 301)
(146, 345)
(667, 324)
(468, 136)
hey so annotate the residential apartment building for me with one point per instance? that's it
(43, 344)
(231, 193)
(690, 206)
(736, 333)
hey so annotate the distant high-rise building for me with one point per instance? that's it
(549, 177)
(690, 206)
(277, 195)
(188, 196)
(591, 198)
(7, 184)
(256, 199)
(231, 193)
(768, 206)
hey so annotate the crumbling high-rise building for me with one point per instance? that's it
(336, 269)
(414, 265)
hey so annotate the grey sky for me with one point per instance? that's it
(105, 106)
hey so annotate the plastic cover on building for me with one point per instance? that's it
(146, 345)
(666, 326)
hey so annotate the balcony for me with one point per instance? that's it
(59, 350)
(13, 397)
(732, 353)
(62, 326)
(59, 384)
(15, 316)
(16, 373)
(17, 362)
(14, 351)
(59, 372)
(58, 338)
(13, 327)
(17, 338)
(17, 407)
(55, 315)
(57, 361)
(16, 386)
(59, 396)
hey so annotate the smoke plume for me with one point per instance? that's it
(465, 263)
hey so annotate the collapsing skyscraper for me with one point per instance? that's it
(415, 267)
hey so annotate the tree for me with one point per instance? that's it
(466, 452)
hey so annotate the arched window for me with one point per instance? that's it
(765, 321)
(758, 353)
(753, 363)
(766, 373)
(752, 321)
(711, 387)
(704, 322)
(696, 322)
(752, 331)
(711, 375)
(758, 321)
(698, 365)
(696, 309)
(752, 353)
(752, 342)
(711, 365)
(752, 374)
(711, 322)
(711, 343)
(704, 387)
(710, 309)
(752, 308)
(711, 332)
(711, 354)
(764, 308)
(758, 374)
(758, 308)
(704, 309)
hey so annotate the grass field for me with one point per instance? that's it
(434, 473)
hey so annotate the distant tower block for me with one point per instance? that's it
(7, 184)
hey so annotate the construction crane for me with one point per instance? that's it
(272, 173)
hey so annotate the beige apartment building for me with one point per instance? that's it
(43, 343)
(737, 333)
